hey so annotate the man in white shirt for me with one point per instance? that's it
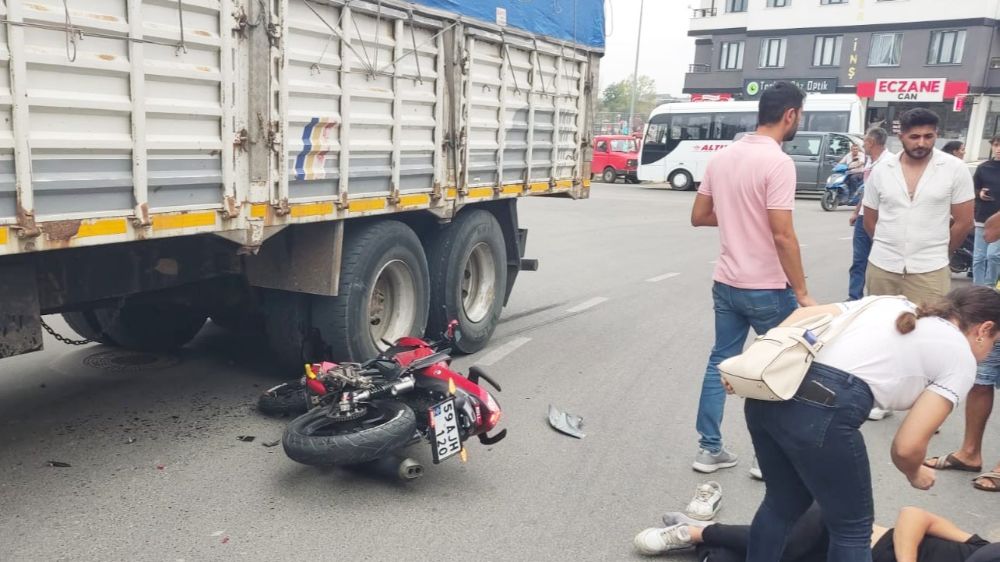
(909, 202)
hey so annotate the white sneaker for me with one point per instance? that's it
(706, 502)
(672, 518)
(879, 414)
(661, 540)
(755, 472)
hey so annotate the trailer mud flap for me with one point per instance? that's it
(20, 316)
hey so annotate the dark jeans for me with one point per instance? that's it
(862, 247)
(810, 451)
(807, 542)
(736, 311)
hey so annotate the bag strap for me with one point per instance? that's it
(815, 324)
(851, 317)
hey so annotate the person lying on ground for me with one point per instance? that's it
(919, 536)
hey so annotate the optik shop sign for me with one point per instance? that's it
(753, 88)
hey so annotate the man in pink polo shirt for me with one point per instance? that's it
(748, 192)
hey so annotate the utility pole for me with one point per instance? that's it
(635, 74)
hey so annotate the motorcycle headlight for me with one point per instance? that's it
(835, 178)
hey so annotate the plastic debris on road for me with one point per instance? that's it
(246, 438)
(57, 464)
(566, 423)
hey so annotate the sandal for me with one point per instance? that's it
(950, 462)
(993, 477)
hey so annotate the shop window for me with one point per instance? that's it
(778, 3)
(731, 57)
(886, 49)
(828, 2)
(947, 47)
(772, 53)
(826, 50)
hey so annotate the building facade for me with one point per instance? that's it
(894, 54)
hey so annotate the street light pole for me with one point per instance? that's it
(635, 73)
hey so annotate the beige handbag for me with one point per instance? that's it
(774, 365)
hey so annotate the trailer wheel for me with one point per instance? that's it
(468, 263)
(85, 324)
(383, 293)
(153, 326)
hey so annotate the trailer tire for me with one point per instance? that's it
(85, 324)
(383, 293)
(468, 264)
(160, 326)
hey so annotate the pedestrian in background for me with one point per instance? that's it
(893, 354)
(748, 192)
(909, 202)
(986, 184)
(955, 148)
(875, 152)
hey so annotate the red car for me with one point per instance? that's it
(616, 156)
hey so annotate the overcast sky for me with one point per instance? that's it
(666, 48)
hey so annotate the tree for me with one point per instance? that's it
(616, 97)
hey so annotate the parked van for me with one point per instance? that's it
(815, 154)
(616, 156)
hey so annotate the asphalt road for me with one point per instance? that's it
(615, 326)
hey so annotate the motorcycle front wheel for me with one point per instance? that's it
(829, 200)
(317, 439)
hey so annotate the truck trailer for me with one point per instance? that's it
(333, 174)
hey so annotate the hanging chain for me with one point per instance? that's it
(62, 338)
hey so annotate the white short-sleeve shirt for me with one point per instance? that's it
(935, 356)
(913, 236)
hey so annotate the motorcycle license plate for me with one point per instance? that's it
(444, 424)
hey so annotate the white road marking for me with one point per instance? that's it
(663, 277)
(503, 351)
(713, 262)
(588, 304)
(803, 245)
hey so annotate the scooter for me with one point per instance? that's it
(837, 192)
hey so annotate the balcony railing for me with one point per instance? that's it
(704, 12)
(699, 68)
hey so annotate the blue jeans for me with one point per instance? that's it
(810, 451)
(985, 260)
(736, 311)
(862, 247)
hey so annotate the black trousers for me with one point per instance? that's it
(807, 542)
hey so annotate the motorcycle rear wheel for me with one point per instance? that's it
(829, 201)
(316, 439)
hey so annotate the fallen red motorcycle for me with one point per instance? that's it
(369, 413)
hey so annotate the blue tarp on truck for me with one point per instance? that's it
(579, 21)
